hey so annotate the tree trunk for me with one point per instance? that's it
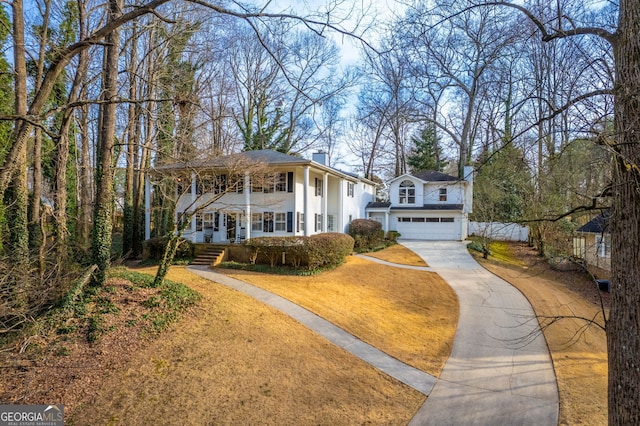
(128, 231)
(105, 197)
(85, 201)
(16, 197)
(60, 193)
(62, 158)
(36, 195)
(142, 157)
(139, 178)
(35, 234)
(624, 323)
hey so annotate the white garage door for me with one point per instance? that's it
(421, 228)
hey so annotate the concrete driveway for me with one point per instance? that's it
(500, 371)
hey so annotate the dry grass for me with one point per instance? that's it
(234, 360)
(398, 254)
(411, 315)
(238, 361)
(579, 353)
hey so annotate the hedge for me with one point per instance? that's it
(367, 234)
(316, 251)
(329, 250)
(153, 248)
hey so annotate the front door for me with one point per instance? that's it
(231, 227)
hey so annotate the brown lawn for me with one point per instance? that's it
(579, 352)
(411, 315)
(237, 361)
(398, 254)
(233, 360)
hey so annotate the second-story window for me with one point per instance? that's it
(407, 192)
(350, 189)
(281, 182)
(318, 187)
(442, 194)
(220, 184)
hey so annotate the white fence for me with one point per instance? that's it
(499, 231)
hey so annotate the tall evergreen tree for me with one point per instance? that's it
(426, 153)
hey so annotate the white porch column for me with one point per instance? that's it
(340, 223)
(147, 208)
(386, 221)
(325, 193)
(193, 206)
(247, 205)
(306, 201)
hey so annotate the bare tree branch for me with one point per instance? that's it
(555, 34)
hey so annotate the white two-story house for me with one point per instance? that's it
(427, 205)
(263, 193)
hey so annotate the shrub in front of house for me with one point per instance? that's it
(392, 236)
(328, 250)
(268, 249)
(316, 251)
(153, 249)
(367, 234)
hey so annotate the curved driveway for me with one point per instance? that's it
(500, 371)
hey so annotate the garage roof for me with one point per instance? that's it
(434, 176)
(597, 225)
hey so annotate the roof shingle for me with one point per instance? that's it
(597, 225)
(434, 176)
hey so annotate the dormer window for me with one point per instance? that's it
(407, 192)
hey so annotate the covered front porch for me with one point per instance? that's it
(217, 227)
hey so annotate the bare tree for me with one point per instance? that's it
(455, 51)
(103, 211)
(389, 97)
(368, 141)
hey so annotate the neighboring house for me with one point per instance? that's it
(427, 205)
(298, 197)
(593, 242)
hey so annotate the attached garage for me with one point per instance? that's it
(426, 205)
(428, 228)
